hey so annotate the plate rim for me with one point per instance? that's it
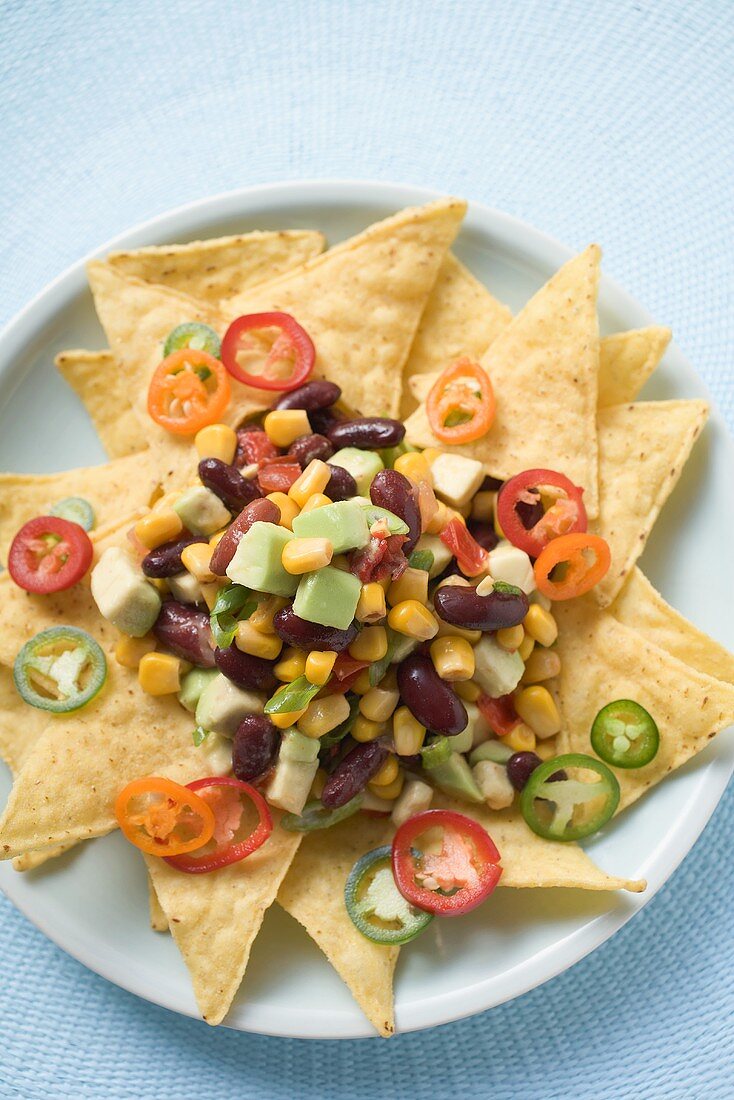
(521, 239)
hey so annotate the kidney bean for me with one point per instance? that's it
(370, 433)
(299, 632)
(484, 533)
(245, 670)
(353, 773)
(341, 485)
(165, 560)
(308, 447)
(254, 748)
(392, 490)
(258, 511)
(463, 607)
(313, 395)
(490, 485)
(186, 632)
(429, 698)
(234, 490)
(520, 767)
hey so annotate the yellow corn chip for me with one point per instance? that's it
(640, 606)
(362, 300)
(461, 318)
(97, 380)
(543, 367)
(627, 360)
(158, 919)
(642, 450)
(617, 662)
(313, 893)
(214, 918)
(113, 489)
(218, 268)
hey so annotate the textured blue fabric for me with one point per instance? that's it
(592, 119)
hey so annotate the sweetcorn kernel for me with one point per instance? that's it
(370, 644)
(284, 426)
(216, 441)
(129, 652)
(371, 605)
(387, 772)
(288, 509)
(313, 480)
(316, 500)
(158, 527)
(319, 666)
(159, 674)
(411, 585)
(252, 641)
(366, 730)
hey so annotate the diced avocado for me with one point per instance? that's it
(478, 724)
(216, 752)
(441, 553)
(193, 685)
(402, 646)
(362, 465)
(455, 778)
(257, 560)
(497, 671)
(296, 746)
(329, 596)
(395, 525)
(463, 742)
(456, 478)
(185, 588)
(492, 750)
(291, 784)
(513, 566)
(123, 595)
(201, 511)
(344, 524)
(222, 706)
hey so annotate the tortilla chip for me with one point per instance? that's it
(642, 450)
(158, 919)
(96, 379)
(639, 606)
(620, 663)
(113, 489)
(313, 893)
(627, 360)
(215, 918)
(361, 301)
(543, 368)
(461, 318)
(218, 268)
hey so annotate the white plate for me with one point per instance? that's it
(93, 902)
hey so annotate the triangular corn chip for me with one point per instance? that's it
(640, 606)
(113, 489)
(215, 918)
(642, 450)
(461, 318)
(96, 378)
(216, 269)
(626, 361)
(158, 919)
(20, 725)
(313, 893)
(543, 367)
(362, 300)
(617, 662)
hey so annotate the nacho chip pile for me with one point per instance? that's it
(388, 311)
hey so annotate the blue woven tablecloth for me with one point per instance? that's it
(590, 119)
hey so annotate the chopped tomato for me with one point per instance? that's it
(49, 554)
(454, 879)
(564, 515)
(227, 799)
(277, 477)
(380, 558)
(253, 446)
(163, 818)
(461, 404)
(500, 713)
(584, 558)
(278, 350)
(189, 390)
(472, 558)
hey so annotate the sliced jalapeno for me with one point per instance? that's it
(76, 510)
(60, 670)
(625, 734)
(193, 335)
(375, 905)
(568, 808)
(317, 816)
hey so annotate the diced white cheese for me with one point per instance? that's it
(456, 478)
(217, 751)
(513, 566)
(291, 784)
(541, 600)
(201, 511)
(122, 594)
(497, 671)
(415, 797)
(478, 726)
(185, 588)
(441, 553)
(494, 784)
(222, 706)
